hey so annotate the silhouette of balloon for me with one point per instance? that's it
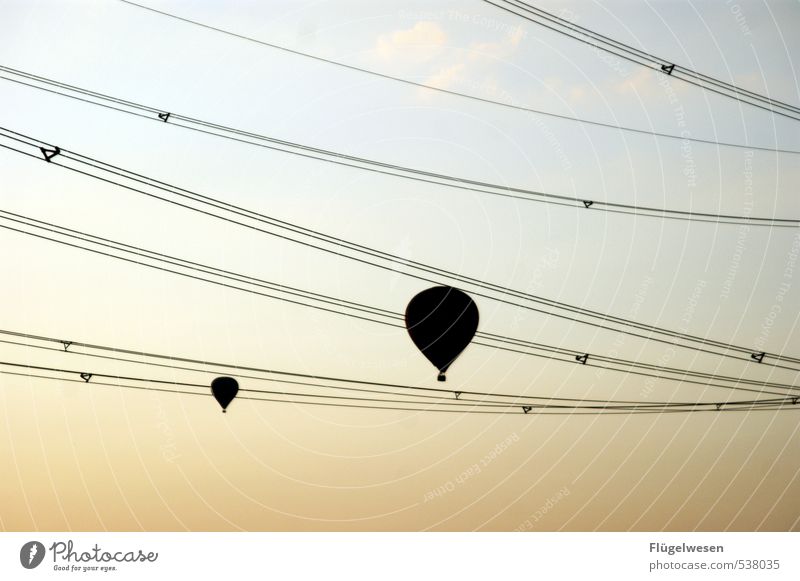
(224, 390)
(441, 322)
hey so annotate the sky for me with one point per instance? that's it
(85, 457)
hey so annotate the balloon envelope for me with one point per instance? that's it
(441, 322)
(224, 390)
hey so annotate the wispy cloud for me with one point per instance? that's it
(447, 77)
(420, 43)
(424, 45)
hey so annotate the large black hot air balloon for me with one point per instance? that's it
(224, 390)
(441, 321)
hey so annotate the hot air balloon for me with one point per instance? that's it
(224, 390)
(441, 322)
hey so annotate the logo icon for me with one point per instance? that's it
(31, 554)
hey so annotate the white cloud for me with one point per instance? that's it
(426, 44)
(446, 77)
(422, 42)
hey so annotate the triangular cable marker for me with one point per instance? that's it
(164, 116)
(587, 203)
(582, 358)
(719, 405)
(86, 377)
(667, 68)
(49, 153)
(66, 344)
(758, 356)
(457, 394)
(794, 401)
(526, 408)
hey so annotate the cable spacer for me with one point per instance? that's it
(49, 153)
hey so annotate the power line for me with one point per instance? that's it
(368, 313)
(88, 377)
(458, 394)
(640, 57)
(707, 345)
(424, 176)
(722, 409)
(223, 369)
(91, 379)
(394, 318)
(452, 92)
(655, 59)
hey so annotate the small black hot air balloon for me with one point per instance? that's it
(441, 321)
(224, 390)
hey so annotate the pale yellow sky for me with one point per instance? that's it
(86, 457)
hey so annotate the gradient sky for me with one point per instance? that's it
(85, 457)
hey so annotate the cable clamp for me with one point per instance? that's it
(582, 358)
(587, 203)
(526, 408)
(66, 344)
(667, 68)
(758, 356)
(86, 377)
(49, 153)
